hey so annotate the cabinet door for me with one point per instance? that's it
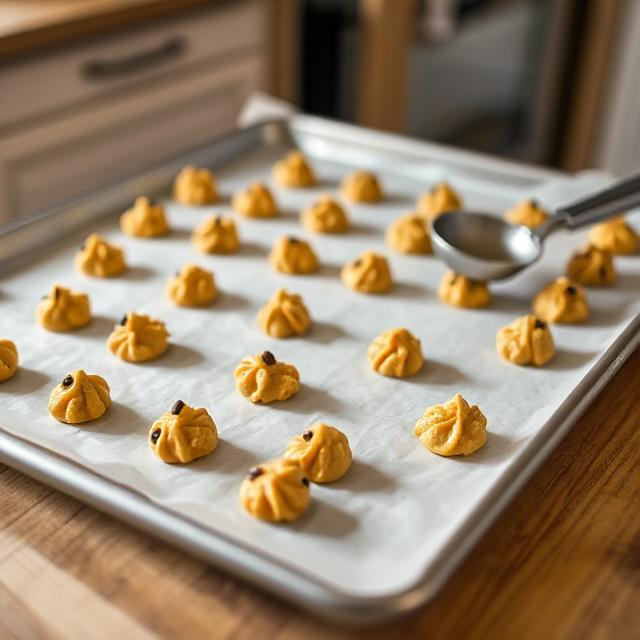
(123, 60)
(121, 135)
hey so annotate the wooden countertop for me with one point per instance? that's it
(27, 25)
(562, 562)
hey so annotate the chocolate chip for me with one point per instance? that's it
(217, 220)
(177, 274)
(68, 381)
(305, 482)
(357, 263)
(268, 358)
(294, 240)
(177, 408)
(453, 281)
(307, 435)
(539, 324)
(534, 203)
(571, 290)
(83, 247)
(603, 272)
(124, 320)
(155, 435)
(45, 296)
(255, 472)
(55, 293)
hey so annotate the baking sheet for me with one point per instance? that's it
(378, 530)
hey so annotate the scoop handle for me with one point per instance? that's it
(616, 199)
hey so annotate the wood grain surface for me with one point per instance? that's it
(562, 562)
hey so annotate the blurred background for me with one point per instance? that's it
(91, 90)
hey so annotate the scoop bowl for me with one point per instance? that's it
(483, 247)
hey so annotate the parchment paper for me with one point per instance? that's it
(377, 530)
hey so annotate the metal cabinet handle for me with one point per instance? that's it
(105, 69)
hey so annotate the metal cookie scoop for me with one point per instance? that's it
(483, 247)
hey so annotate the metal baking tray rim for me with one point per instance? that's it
(249, 564)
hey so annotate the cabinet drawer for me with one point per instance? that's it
(116, 63)
(46, 164)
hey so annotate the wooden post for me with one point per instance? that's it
(594, 55)
(386, 34)
(283, 72)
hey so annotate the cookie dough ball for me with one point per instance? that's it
(325, 215)
(409, 234)
(461, 291)
(561, 301)
(615, 235)
(528, 213)
(441, 199)
(63, 310)
(183, 434)
(275, 491)
(362, 186)
(80, 397)
(8, 359)
(294, 256)
(592, 267)
(323, 452)
(262, 378)
(294, 171)
(144, 220)
(370, 273)
(284, 315)
(195, 186)
(192, 286)
(527, 340)
(138, 338)
(100, 259)
(216, 234)
(396, 353)
(453, 428)
(255, 202)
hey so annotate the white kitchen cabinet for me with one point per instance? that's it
(74, 120)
